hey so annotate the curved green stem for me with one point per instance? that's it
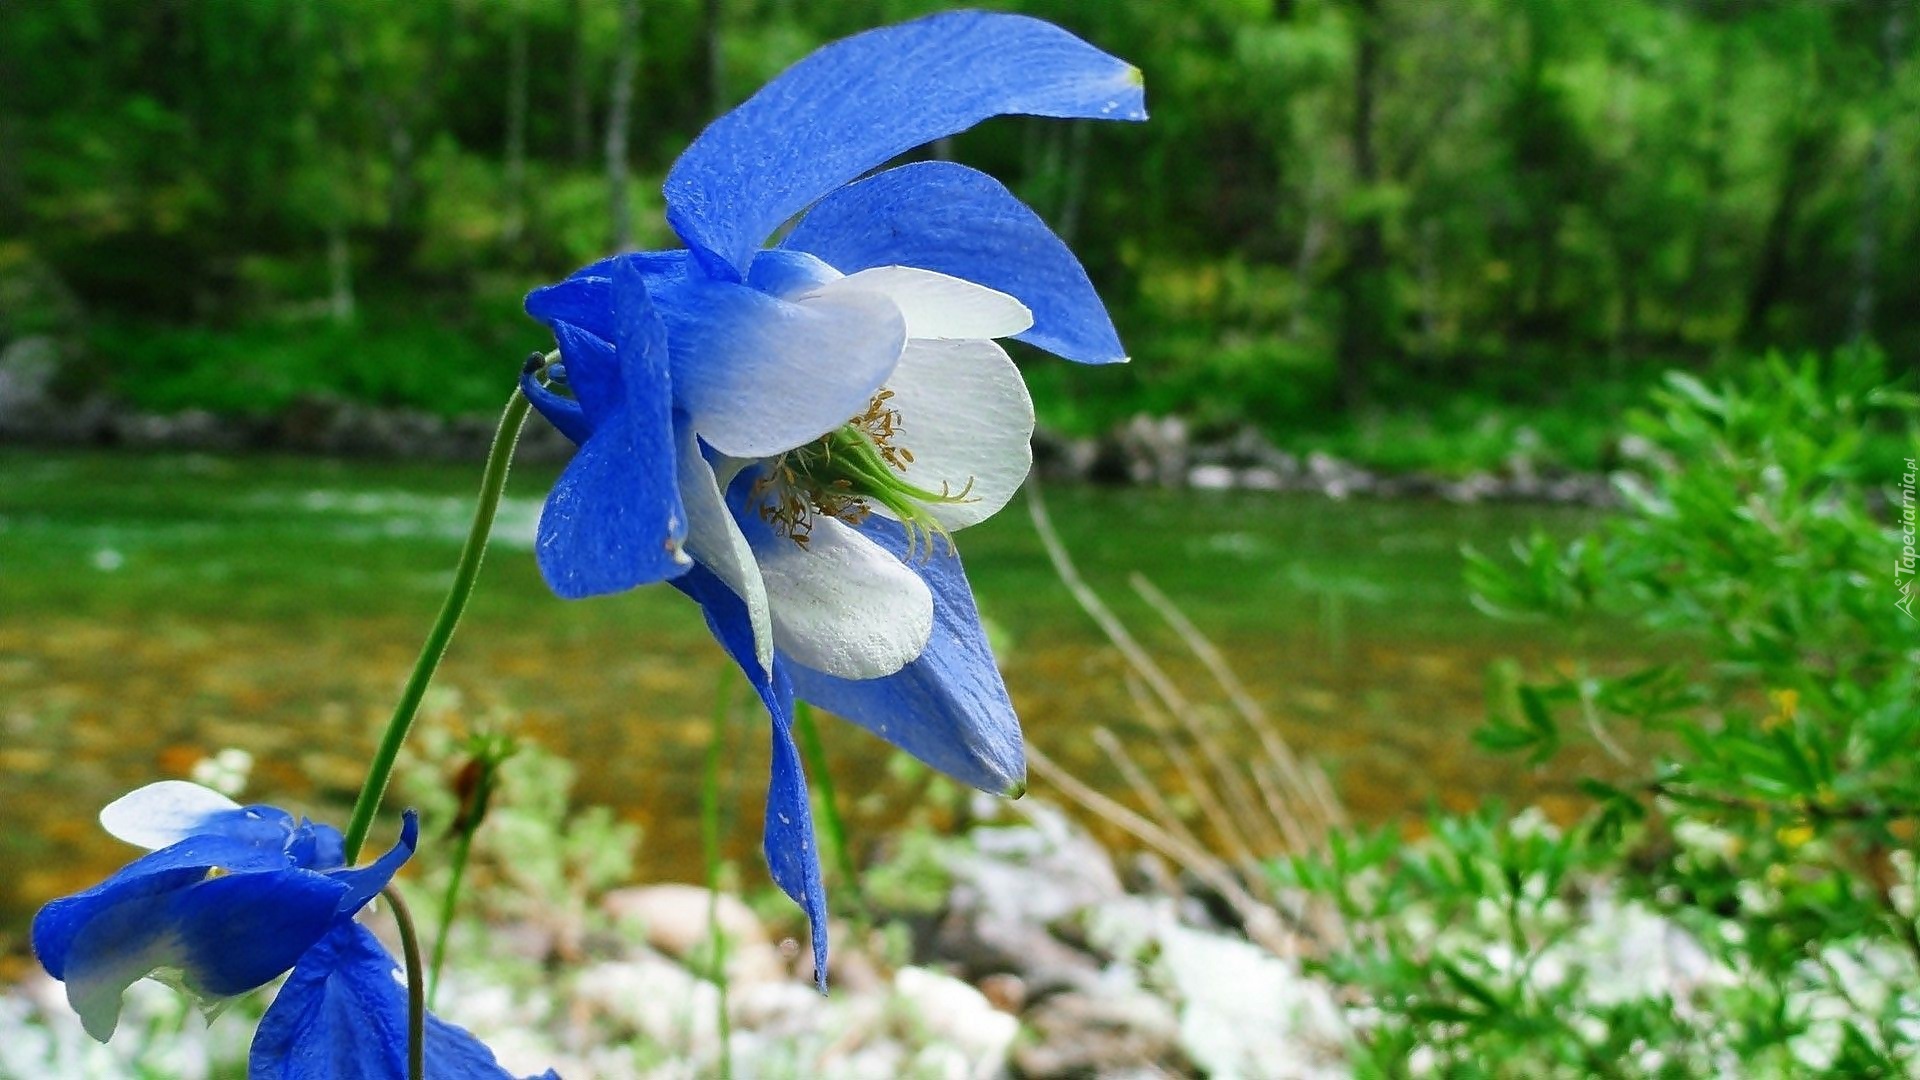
(492, 482)
(416, 986)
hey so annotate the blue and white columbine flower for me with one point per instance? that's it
(230, 898)
(791, 434)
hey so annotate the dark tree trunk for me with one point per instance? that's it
(626, 68)
(1707, 238)
(1805, 151)
(516, 164)
(340, 303)
(579, 94)
(713, 24)
(1364, 289)
(1073, 181)
(1873, 180)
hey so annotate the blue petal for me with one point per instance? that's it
(949, 708)
(586, 298)
(329, 848)
(343, 1013)
(793, 855)
(563, 413)
(852, 105)
(169, 869)
(936, 215)
(593, 373)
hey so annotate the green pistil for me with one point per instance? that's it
(844, 475)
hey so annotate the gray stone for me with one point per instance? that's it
(1144, 450)
(1249, 447)
(1335, 478)
(193, 429)
(1017, 886)
(27, 369)
(1472, 488)
(1039, 872)
(652, 997)
(984, 946)
(1060, 457)
(1085, 1034)
(34, 299)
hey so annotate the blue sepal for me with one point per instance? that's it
(586, 298)
(225, 934)
(792, 853)
(343, 1013)
(778, 272)
(171, 868)
(237, 931)
(853, 105)
(614, 520)
(936, 215)
(949, 707)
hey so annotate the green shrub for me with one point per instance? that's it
(1740, 897)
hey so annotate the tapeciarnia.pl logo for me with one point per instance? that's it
(1903, 567)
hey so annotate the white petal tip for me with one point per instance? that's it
(162, 813)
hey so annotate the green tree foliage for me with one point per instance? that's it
(1336, 199)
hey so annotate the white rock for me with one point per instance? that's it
(1210, 477)
(674, 919)
(787, 1009)
(1245, 1012)
(959, 1017)
(658, 1000)
(1261, 478)
(1038, 873)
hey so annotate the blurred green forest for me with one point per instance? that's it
(1430, 211)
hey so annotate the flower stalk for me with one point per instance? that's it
(493, 481)
(416, 986)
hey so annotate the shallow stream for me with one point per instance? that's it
(155, 609)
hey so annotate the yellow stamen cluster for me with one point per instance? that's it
(844, 474)
(881, 422)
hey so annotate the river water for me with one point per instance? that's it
(156, 609)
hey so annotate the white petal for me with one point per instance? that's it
(714, 538)
(760, 376)
(843, 604)
(163, 813)
(966, 417)
(937, 305)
